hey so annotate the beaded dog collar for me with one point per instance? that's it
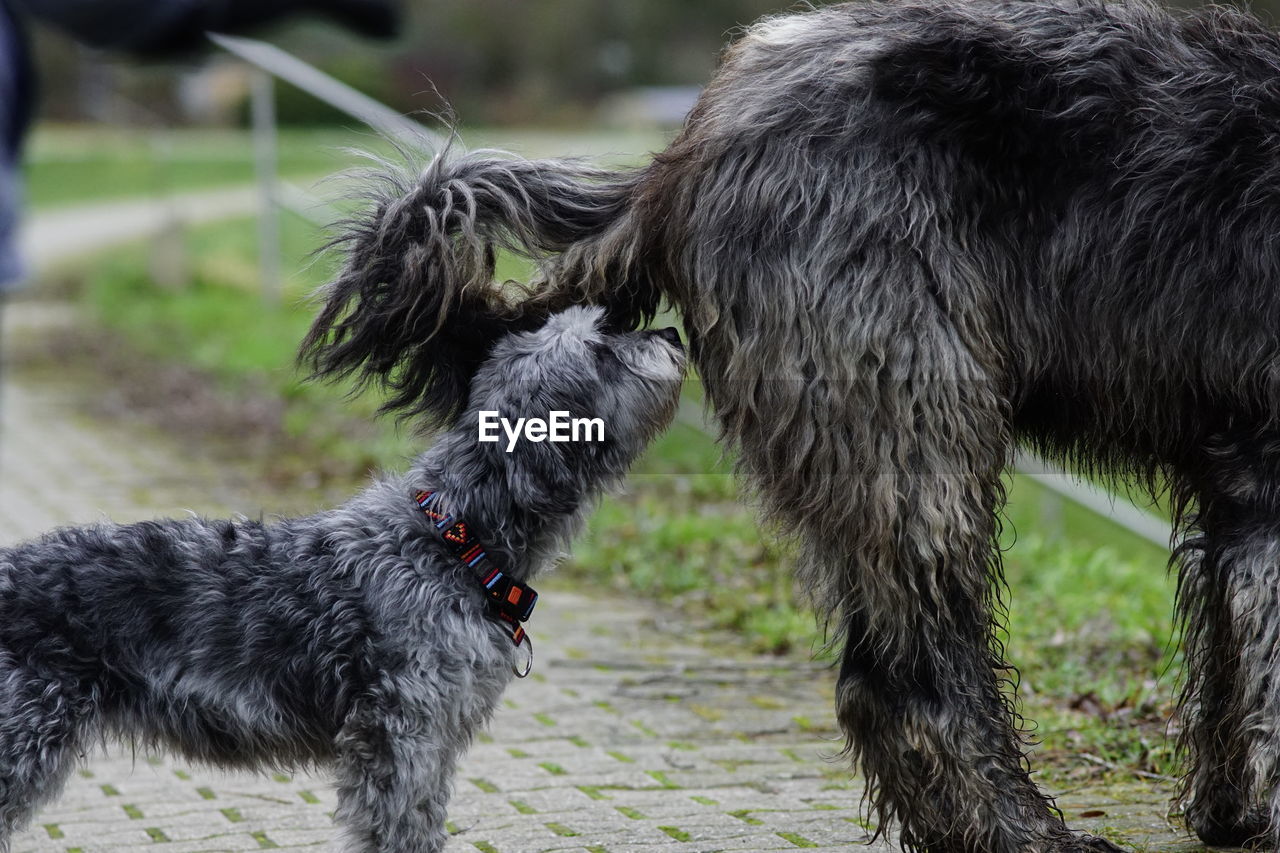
(510, 601)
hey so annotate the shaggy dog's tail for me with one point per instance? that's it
(415, 308)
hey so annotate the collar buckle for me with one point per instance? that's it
(510, 597)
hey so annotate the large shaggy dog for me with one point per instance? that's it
(367, 637)
(903, 237)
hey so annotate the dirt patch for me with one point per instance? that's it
(245, 424)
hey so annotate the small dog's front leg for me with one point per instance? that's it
(394, 778)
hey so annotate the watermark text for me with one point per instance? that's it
(557, 427)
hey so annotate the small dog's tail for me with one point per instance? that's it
(415, 308)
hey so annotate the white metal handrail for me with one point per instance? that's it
(269, 63)
(1117, 509)
(323, 87)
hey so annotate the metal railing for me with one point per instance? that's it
(1117, 509)
(270, 62)
(1059, 483)
(277, 63)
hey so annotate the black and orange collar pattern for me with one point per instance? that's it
(510, 601)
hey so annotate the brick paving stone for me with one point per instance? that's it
(628, 738)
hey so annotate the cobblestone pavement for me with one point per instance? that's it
(633, 734)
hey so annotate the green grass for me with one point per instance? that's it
(220, 325)
(66, 165)
(1089, 606)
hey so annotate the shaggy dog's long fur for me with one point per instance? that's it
(352, 638)
(904, 236)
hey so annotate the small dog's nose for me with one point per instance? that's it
(671, 335)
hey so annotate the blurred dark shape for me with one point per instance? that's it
(368, 17)
(140, 28)
(176, 27)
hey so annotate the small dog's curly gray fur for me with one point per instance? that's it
(904, 236)
(351, 638)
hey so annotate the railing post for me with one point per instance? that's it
(266, 151)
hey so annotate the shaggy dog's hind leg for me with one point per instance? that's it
(879, 439)
(1229, 596)
(39, 739)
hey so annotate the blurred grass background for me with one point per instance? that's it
(74, 165)
(71, 164)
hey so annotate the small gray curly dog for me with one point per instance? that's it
(359, 637)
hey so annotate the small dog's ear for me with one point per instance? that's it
(543, 477)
